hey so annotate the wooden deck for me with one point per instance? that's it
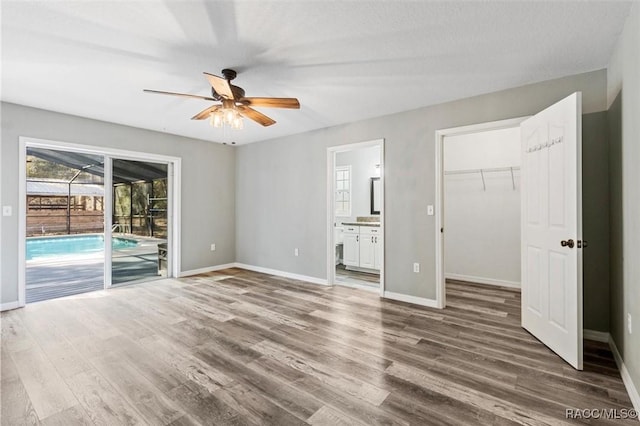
(243, 348)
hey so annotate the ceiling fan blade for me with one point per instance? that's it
(206, 112)
(184, 95)
(220, 85)
(256, 116)
(272, 102)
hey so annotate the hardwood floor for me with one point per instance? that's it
(243, 348)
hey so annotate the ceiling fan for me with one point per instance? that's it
(234, 104)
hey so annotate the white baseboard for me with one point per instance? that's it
(632, 390)
(598, 336)
(483, 280)
(8, 306)
(430, 303)
(602, 336)
(313, 280)
(207, 269)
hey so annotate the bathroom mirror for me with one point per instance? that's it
(375, 195)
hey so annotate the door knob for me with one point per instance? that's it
(567, 243)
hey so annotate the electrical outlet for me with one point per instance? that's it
(416, 267)
(629, 322)
(295, 252)
(213, 247)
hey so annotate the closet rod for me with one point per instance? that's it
(497, 169)
(483, 171)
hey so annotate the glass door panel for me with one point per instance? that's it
(64, 223)
(140, 222)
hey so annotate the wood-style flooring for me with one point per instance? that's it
(243, 348)
(347, 276)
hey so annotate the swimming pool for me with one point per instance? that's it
(43, 247)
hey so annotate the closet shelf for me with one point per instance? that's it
(483, 171)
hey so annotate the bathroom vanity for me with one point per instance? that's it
(362, 246)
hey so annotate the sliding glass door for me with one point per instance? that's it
(93, 218)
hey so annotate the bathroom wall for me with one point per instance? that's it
(363, 163)
(475, 213)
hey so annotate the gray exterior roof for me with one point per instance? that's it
(61, 189)
(124, 171)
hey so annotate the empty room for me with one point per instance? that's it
(319, 212)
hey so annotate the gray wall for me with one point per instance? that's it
(624, 136)
(595, 220)
(208, 182)
(282, 185)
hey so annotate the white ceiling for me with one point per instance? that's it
(344, 60)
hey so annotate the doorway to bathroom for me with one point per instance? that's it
(355, 201)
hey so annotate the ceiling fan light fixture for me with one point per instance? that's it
(216, 119)
(229, 115)
(237, 122)
(226, 117)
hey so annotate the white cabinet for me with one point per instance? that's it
(367, 251)
(351, 253)
(377, 262)
(370, 247)
(362, 247)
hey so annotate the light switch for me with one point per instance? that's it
(430, 210)
(7, 211)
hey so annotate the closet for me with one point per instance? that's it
(482, 207)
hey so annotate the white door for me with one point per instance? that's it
(367, 251)
(552, 227)
(351, 253)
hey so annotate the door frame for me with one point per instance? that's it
(174, 176)
(331, 159)
(439, 199)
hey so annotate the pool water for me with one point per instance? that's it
(72, 244)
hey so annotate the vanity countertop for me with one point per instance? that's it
(376, 224)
